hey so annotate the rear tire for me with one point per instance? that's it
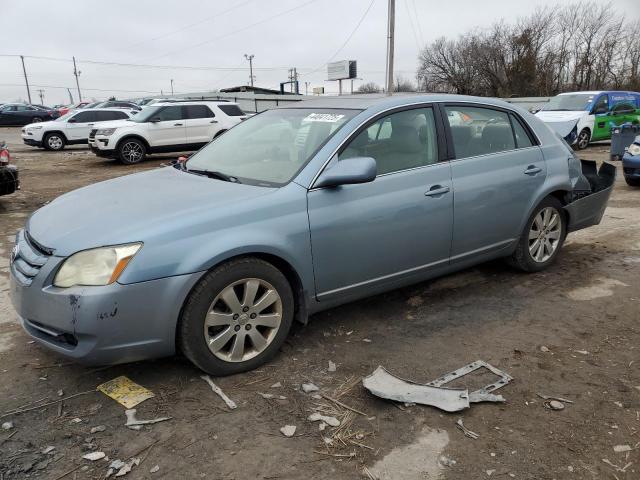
(53, 141)
(36, 120)
(632, 182)
(131, 151)
(542, 238)
(237, 317)
(584, 137)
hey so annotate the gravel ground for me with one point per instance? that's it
(572, 332)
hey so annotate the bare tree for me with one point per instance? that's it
(403, 85)
(369, 87)
(578, 46)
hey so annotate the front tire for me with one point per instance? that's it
(237, 317)
(542, 238)
(53, 141)
(131, 151)
(584, 137)
(632, 182)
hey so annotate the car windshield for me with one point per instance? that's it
(270, 148)
(146, 114)
(574, 102)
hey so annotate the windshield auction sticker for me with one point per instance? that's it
(323, 117)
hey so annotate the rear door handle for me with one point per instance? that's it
(436, 190)
(213, 121)
(178, 124)
(532, 170)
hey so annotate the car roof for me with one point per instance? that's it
(365, 101)
(166, 103)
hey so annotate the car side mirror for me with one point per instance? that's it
(72, 120)
(155, 120)
(348, 171)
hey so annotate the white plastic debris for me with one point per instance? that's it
(366, 340)
(132, 421)
(7, 425)
(154, 469)
(60, 392)
(268, 396)
(332, 367)
(382, 384)
(554, 405)
(230, 403)
(116, 464)
(544, 349)
(76, 420)
(466, 431)
(447, 462)
(99, 428)
(582, 352)
(93, 456)
(288, 430)
(490, 472)
(318, 417)
(48, 450)
(276, 385)
(322, 426)
(126, 468)
(622, 448)
(309, 387)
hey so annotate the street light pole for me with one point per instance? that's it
(390, 32)
(24, 70)
(172, 86)
(76, 73)
(250, 58)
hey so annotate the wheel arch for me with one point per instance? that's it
(134, 136)
(219, 132)
(59, 132)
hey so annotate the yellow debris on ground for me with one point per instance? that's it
(125, 391)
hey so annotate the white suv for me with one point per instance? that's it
(72, 128)
(167, 126)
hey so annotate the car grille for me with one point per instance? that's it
(92, 133)
(27, 258)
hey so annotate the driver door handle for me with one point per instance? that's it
(213, 121)
(178, 124)
(436, 190)
(532, 170)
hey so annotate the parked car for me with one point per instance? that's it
(9, 181)
(583, 117)
(165, 127)
(214, 256)
(23, 114)
(631, 164)
(72, 128)
(92, 105)
(118, 104)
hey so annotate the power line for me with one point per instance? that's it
(415, 35)
(204, 20)
(417, 17)
(85, 88)
(353, 32)
(236, 31)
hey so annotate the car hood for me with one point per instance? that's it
(134, 208)
(47, 124)
(561, 121)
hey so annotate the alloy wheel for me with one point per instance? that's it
(54, 142)
(132, 152)
(545, 234)
(583, 140)
(243, 320)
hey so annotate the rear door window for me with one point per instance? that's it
(522, 137)
(479, 130)
(198, 111)
(170, 113)
(84, 117)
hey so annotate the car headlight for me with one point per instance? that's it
(634, 149)
(105, 131)
(98, 266)
(38, 127)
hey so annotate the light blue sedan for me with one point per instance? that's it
(293, 211)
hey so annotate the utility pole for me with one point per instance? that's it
(172, 86)
(293, 80)
(390, 32)
(24, 70)
(41, 94)
(77, 73)
(306, 88)
(250, 58)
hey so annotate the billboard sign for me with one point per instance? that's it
(342, 70)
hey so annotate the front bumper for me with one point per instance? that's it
(96, 325)
(588, 208)
(100, 146)
(631, 166)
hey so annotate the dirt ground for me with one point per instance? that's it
(572, 332)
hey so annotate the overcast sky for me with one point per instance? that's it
(216, 34)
